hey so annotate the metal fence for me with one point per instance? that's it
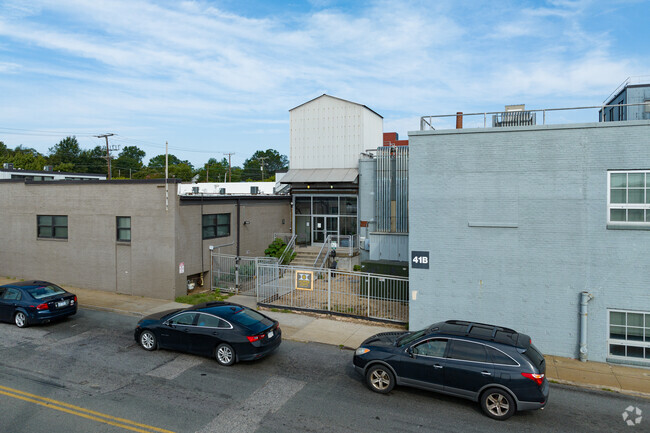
(235, 274)
(355, 294)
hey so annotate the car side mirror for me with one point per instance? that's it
(410, 351)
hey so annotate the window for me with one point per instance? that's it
(52, 226)
(12, 295)
(123, 229)
(628, 198)
(216, 225)
(467, 351)
(431, 348)
(629, 335)
(183, 319)
(210, 321)
(498, 357)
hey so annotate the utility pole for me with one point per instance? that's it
(261, 160)
(108, 152)
(229, 155)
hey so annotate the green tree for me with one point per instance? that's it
(156, 169)
(272, 161)
(28, 160)
(213, 170)
(65, 151)
(92, 161)
(129, 161)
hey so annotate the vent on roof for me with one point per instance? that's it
(515, 115)
(255, 190)
(8, 166)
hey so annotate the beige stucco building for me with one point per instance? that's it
(137, 237)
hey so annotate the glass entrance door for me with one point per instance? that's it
(324, 226)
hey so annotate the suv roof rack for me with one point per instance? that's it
(483, 331)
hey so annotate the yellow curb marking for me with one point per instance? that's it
(79, 411)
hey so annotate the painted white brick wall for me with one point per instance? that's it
(547, 187)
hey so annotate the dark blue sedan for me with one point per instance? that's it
(223, 330)
(31, 302)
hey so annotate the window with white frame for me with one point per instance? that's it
(628, 197)
(629, 335)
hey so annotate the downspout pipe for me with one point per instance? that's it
(585, 297)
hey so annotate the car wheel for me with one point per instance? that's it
(498, 404)
(20, 319)
(225, 354)
(148, 340)
(380, 379)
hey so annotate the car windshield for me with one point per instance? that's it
(410, 337)
(45, 291)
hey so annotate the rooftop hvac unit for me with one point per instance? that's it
(515, 115)
(222, 191)
(195, 190)
(8, 166)
(255, 190)
(48, 168)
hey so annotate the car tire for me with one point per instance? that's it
(498, 404)
(225, 354)
(148, 340)
(20, 319)
(380, 379)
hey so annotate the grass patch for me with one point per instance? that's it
(199, 298)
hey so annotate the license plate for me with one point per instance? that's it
(62, 304)
(270, 334)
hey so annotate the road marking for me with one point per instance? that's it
(248, 415)
(80, 411)
(175, 367)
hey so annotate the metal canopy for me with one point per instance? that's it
(321, 175)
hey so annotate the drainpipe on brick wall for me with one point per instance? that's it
(585, 297)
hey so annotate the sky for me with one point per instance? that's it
(217, 77)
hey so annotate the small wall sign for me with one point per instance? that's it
(181, 268)
(420, 259)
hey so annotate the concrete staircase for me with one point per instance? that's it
(305, 256)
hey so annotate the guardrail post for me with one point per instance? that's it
(329, 290)
(368, 276)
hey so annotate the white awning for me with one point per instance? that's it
(321, 175)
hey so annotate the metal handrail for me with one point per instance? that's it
(282, 235)
(427, 120)
(290, 248)
(328, 244)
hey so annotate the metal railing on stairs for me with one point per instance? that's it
(288, 250)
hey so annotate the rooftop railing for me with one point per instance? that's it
(519, 118)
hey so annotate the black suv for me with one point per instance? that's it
(496, 366)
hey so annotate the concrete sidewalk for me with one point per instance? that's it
(349, 333)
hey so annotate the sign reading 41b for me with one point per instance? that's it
(420, 259)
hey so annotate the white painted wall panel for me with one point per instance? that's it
(331, 133)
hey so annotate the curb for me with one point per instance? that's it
(601, 388)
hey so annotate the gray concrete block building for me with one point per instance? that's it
(519, 221)
(135, 237)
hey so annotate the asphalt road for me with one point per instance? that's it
(87, 374)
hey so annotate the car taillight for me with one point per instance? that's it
(255, 337)
(537, 378)
(74, 301)
(42, 307)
